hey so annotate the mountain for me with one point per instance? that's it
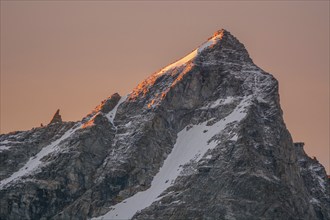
(203, 138)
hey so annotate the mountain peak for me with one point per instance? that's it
(212, 122)
(56, 118)
(224, 35)
(222, 41)
(219, 32)
(221, 49)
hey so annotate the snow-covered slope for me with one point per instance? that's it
(183, 61)
(191, 145)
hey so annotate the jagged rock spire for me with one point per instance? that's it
(56, 118)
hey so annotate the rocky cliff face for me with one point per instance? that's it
(202, 138)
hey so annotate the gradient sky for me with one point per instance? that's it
(72, 55)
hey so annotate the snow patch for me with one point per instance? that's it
(128, 124)
(221, 102)
(112, 114)
(209, 43)
(260, 174)
(315, 201)
(191, 145)
(4, 147)
(9, 142)
(180, 62)
(218, 102)
(234, 138)
(192, 55)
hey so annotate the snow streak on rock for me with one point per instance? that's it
(112, 114)
(35, 162)
(193, 54)
(4, 147)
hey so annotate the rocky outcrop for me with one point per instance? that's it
(208, 128)
(109, 104)
(56, 118)
(316, 182)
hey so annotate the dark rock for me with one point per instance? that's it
(110, 103)
(56, 118)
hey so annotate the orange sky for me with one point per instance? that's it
(72, 55)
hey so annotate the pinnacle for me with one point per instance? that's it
(56, 118)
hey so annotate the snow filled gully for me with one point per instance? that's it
(191, 144)
(112, 114)
(35, 162)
